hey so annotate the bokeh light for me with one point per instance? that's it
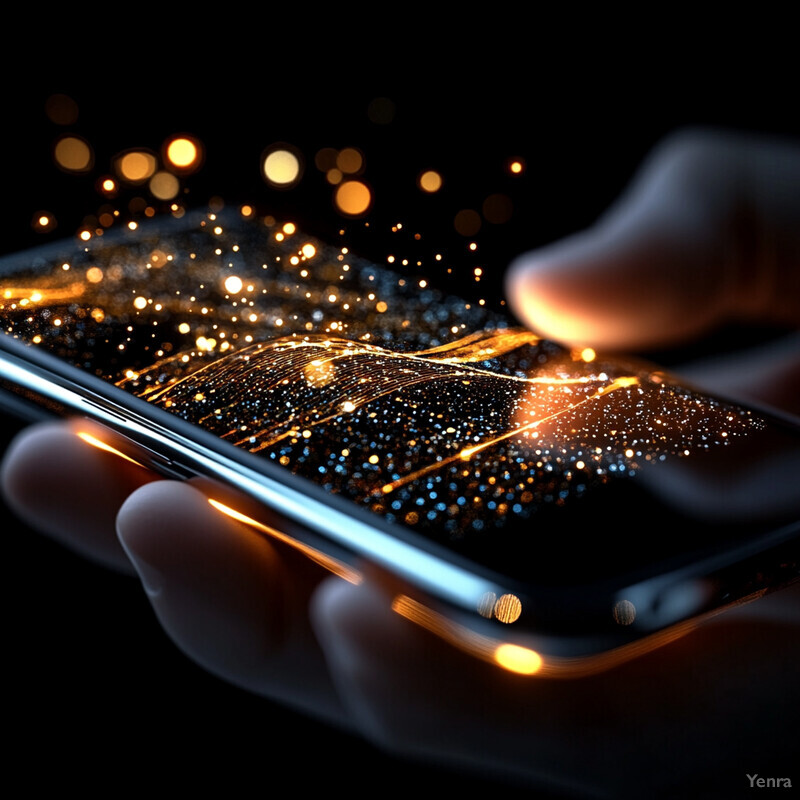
(73, 154)
(183, 153)
(136, 166)
(282, 167)
(353, 198)
(43, 221)
(61, 109)
(467, 222)
(325, 159)
(164, 186)
(508, 608)
(430, 181)
(624, 612)
(516, 166)
(350, 161)
(233, 284)
(497, 209)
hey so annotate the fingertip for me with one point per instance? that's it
(68, 490)
(575, 292)
(216, 585)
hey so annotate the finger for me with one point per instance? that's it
(768, 374)
(69, 490)
(708, 232)
(657, 723)
(226, 596)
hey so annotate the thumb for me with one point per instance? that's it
(709, 232)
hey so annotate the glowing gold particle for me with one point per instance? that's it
(518, 659)
(319, 373)
(233, 284)
(164, 186)
(353, 198)
(308, 250)
(207, 344)
(430, 181)
(136, 166)
(184, 327)
(515, 167)
(73, 154)
(182, 152)
(281, 167)
(588, 354)
(94, 275)
(140, 302)
(381, 307)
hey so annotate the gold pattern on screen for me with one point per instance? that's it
(431, 411)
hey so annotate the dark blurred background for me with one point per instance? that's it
(89, 673)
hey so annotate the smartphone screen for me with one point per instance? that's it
(551, 467)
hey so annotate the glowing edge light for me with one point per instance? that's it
(426, 570)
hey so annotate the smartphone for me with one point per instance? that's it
(552, 510)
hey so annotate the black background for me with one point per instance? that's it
(90, 678)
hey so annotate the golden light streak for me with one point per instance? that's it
(497, 652)
(101, 445)
(34, 295)
(468, 452)
(503, 654)
(326, 561)
(518, 659)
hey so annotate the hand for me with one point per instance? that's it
(257, 615)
